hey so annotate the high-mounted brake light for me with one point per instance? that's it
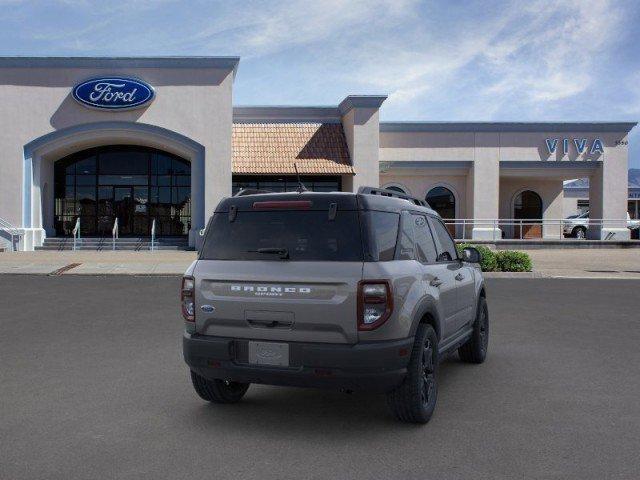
(375, 303)
(283, 204)
(187, 299)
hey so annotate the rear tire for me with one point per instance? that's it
(580, 233)
(475, 350)
(218, 391)
(415, 400)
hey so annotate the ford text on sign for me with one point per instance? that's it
(113, 93)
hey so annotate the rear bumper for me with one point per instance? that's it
(373, 366)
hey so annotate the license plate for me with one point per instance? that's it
(268, 353)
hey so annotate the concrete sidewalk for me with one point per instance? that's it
(161, 262)
(586, 263)
(547, 263)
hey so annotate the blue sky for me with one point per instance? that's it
(437, 60)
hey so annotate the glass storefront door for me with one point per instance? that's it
(136, 185)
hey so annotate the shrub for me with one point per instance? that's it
(511, 261)
(488, 263)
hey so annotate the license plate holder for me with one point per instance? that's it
(269, 353)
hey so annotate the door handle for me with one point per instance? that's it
(436, 282)
(459, 277)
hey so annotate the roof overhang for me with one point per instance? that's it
(286, 114)
(411, 167)
(543, 127)
(361, 101)
(219, 63)
(548, 169)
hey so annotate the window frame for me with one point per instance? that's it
(370, 241)
(439, 248)
(416, 257)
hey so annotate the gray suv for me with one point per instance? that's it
(348, 291)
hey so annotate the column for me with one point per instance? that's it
(608, 195)
(485, 179)
(361, 125)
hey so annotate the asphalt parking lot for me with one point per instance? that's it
(92, 385)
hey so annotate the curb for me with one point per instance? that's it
(511, 275)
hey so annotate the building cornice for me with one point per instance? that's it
(360, 101)
(286, 114)
(222, 63)
(546, 127)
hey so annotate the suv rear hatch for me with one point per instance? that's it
(281, 267)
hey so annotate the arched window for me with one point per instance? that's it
(442, 200)
(134, 184)
(395, 188)
(528, 206)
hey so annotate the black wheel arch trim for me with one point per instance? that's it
(427, 308)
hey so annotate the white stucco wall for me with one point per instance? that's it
(419, 186)
(503, 158)
(361, 125)
(551, 193)
(195, 103)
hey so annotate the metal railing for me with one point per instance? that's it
(153, 235)
(538, 228)
(76, 234)
(114, 234)
(12, 231)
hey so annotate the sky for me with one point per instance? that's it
(445, 60)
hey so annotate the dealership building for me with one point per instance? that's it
(158, 141)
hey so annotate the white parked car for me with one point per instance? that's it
(577, 225)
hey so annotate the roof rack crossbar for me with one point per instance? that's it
(383, 192)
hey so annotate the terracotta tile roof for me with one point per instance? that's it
(274, 148)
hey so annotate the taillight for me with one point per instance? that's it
(187, 299)
(375, 303)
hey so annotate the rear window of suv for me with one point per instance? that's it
(264, 235)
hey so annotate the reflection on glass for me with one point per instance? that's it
(133, 184)
(442, 200)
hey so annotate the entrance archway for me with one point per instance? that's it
(41, 154)
(132, 184)
(527, 206)
(443, 201)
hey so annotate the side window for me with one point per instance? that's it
(406, 243)
(426, 249)
(446, 246)
(385, 233)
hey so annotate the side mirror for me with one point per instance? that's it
(471, 255)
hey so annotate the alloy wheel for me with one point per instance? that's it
(428, 373)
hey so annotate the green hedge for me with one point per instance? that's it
(500, 261)
(489, 262)
(511, 261)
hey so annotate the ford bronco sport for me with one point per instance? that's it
(349, 291)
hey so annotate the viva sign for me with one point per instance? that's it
(113, 93)
(580, 144)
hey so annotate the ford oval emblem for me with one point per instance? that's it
(113, 93)
(207, 308)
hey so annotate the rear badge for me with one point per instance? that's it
(272, 291)
(207, 308)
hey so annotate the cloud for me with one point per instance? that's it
(267, 27)
(552, 53)
(537, 53)
(434, 58)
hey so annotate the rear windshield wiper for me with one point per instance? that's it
(283, 252)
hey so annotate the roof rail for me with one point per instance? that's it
(383, 192)
(251, 191)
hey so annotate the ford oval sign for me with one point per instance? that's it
(113, 93)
